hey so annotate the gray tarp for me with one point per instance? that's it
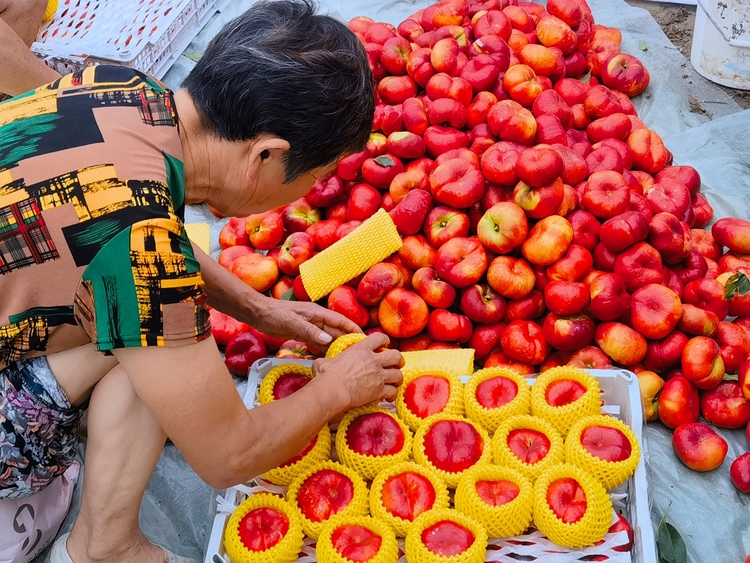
(713, 518)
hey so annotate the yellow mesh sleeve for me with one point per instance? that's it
(342, 343)
(200, 235)
(455, 403)
(357, 507)
(326, 552)
(504, 521)
(562, 418)
(265, 393)
(378, 509)
(420, 456)
(321, 451)
(503, 455)
(459, 361)
(595, 522)
(49, 13)
(370, 243)
(416, 550)
(490, 419)
(610, 474)
(285, 551)
(366, 465)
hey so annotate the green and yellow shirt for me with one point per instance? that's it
(92, 242)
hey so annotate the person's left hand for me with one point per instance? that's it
(302, 320)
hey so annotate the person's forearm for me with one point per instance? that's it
(226, 292)
(283, 428)
(21, 71)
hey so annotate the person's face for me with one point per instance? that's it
(254, 182)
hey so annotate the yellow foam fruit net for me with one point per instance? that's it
(369, 466)
(416, 550)
(595, 522)
(459, 361)
(505, 521)
(50, 11)
(321, 451)
(286, 551)
(420, 456)
(265, 393)
(325, 552)
(370, 243)
(377, 508)
(342, 343)
(490, 419)
(610, 474)
(455, 404)
(357, 506)
(565, 416)
(503, 455)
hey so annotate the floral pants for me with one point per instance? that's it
(38, 428)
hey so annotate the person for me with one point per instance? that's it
(104, 298)
(20, 21)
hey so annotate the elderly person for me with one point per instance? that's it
(104, 298)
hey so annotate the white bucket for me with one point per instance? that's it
(721, 42)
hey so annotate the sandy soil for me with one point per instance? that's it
(678, 22)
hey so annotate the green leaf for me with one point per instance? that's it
(642, 46)
(738, 284)
(669, 542)
(193, 56)
(587, 78)
(289, 296)
(386, 161)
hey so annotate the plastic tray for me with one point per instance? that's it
(621, 398)
(148, 35)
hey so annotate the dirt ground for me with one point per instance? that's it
(678, 21)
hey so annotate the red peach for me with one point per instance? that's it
(622, 231)
(432, 289)
(655, 311)
(461, 262)
(639, 265)
(568, 333)
(590, 357)
(702, 363)
(664, 354)
(566, 298)
(725, 406)
(699, 447)
(649, 152)
(416, 252)
(679, 402)
(403, 313)
(524, 341)
(621, 343)
(511, 277)
(548, 241)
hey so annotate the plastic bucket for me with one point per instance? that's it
(721, 42)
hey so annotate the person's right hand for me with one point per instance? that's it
(362, 374)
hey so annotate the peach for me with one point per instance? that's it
(734, 233)
(624, 230)
(500, 359)
(590, 357)
(485, 339)
(521, 83)
(702, 363)
(510, 121)
(499, 163)
(697, 321)
(402, 313)
(621, 343)
(440, 139)
(725, 406)
(679, 402)
(606, 195)
(444, 326)
(567, 10)
(734, 344)
(671, 237)
(502, 228)
(235, 233)
(461, 261)
(600, 51)
(614, 126)
(378, 281)
(511, 277)
(704, 242)
(476, 112)
(553, 32)
(702, 211)
(655, 311)
(601, 102)
(548, 241)
(419, 67)
(542, 201)
(585, 229)
(573, 266)
(650, 384)
(665, 354)
(649, 152)
(639, 265)
(416, 252)
(669, 196)
(526, 309)
(228, 256)
(436, 292)
(626, 74)
(493, 22)
(568, 333)
(698, 446)
(524, 341)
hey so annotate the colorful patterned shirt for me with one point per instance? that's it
(92, 242)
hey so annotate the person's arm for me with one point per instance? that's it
(192, 396)
(21, 70)
(281, 319)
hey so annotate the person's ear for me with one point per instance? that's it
(268, 150)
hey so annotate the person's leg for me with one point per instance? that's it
(124, 444)
(24, 16)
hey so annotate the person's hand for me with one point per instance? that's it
(301, 320)
(362, 374)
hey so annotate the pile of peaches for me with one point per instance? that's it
(446, 468)
(543, 223)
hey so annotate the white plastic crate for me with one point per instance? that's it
(622, 400)
(148, 35)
